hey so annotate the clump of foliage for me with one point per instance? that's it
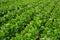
(29, 20)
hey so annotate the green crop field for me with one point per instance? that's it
(29, 19)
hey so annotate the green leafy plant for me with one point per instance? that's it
(29, 19)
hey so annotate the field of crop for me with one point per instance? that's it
(29, 19)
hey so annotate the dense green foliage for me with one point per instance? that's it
(29, 20)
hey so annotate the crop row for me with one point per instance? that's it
(33, 18)
(11, 7)
(51, 28)
(31, 31)
(16, 13)
(24, 18)
(22, 21)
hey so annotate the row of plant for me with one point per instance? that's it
(37, 20)
(13, 6)
(51, 28)
(31, 31)
(17, 12)
(13, 24)
(21, 21)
